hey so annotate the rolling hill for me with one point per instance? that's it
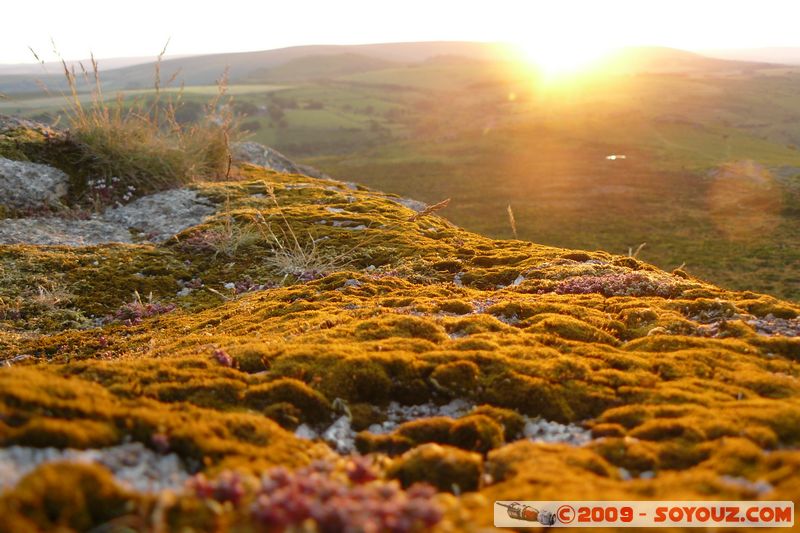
(313, 62)
(461, 121)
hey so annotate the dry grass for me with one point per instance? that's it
(431, 209)
(141, 143)
(304, 259)
(635, 253)
(291, 257)
(512, 221)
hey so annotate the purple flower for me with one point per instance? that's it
(223, 358)
(619, 284)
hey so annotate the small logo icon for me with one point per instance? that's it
(527, 513)
(565, 514)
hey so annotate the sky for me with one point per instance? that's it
(141, 27)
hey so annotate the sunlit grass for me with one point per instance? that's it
(141, 143)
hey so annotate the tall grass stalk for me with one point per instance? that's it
(144, 145)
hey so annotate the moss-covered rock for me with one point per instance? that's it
(60, 496)
(679, 381)
(309, 402)
(446, 468)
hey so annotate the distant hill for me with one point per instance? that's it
(320, 67)
(245, 66)
(782, 55)
(304, 63)
(37, 69)
(671, 60)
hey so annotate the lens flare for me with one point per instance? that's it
(556, 59)
(743, 200)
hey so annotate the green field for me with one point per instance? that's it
(490, 134)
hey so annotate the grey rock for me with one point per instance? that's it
(60, 231)
(25, 185)
(414, 205)
(264, 156)
(341, 436)
(132, 465)
(9, 124)
(540, 430)
(160, 216)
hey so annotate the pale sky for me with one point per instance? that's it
(140, 28)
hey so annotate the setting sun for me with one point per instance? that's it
(399, 267)
(557, 59)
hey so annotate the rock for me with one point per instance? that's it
(264, 156)
(258, 154)
(160, 216)
(132, 464)
(60, 231)
(541, 430)
(9, 124)
(414, 205)
(25, 185)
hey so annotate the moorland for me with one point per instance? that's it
(709, 179)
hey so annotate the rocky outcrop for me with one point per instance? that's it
(153, 218)
(30, 186)
(307, 319)
(9, 124)
(264, 156)
(273, 336)
(57, 231)
(160, 216)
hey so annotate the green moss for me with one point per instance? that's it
(399, 326)
(61, 495)
(478, 433)
(663, 383)
(459, 378)
(251, 358)
(286, 414)
(511, 421)
(632, 455)
(456, 307)
(434, 429)
(363, 415)
(530, 395)
(61, 433)
(391, 444)
(608, 430)
(658, 430)
(357, 379)
(446, 468)
(570, 329)
(766, 305)
(473, 325)
(206, 392)
(628, 416)
(313, 406)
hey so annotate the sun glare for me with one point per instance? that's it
(560, 59)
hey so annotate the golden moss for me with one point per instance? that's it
(309, 402)
(65, 495)
(61, 433)
(511, 421)
(399, 326)
(478, 433)
(459, 378)
(446, 468)
(679, 386)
